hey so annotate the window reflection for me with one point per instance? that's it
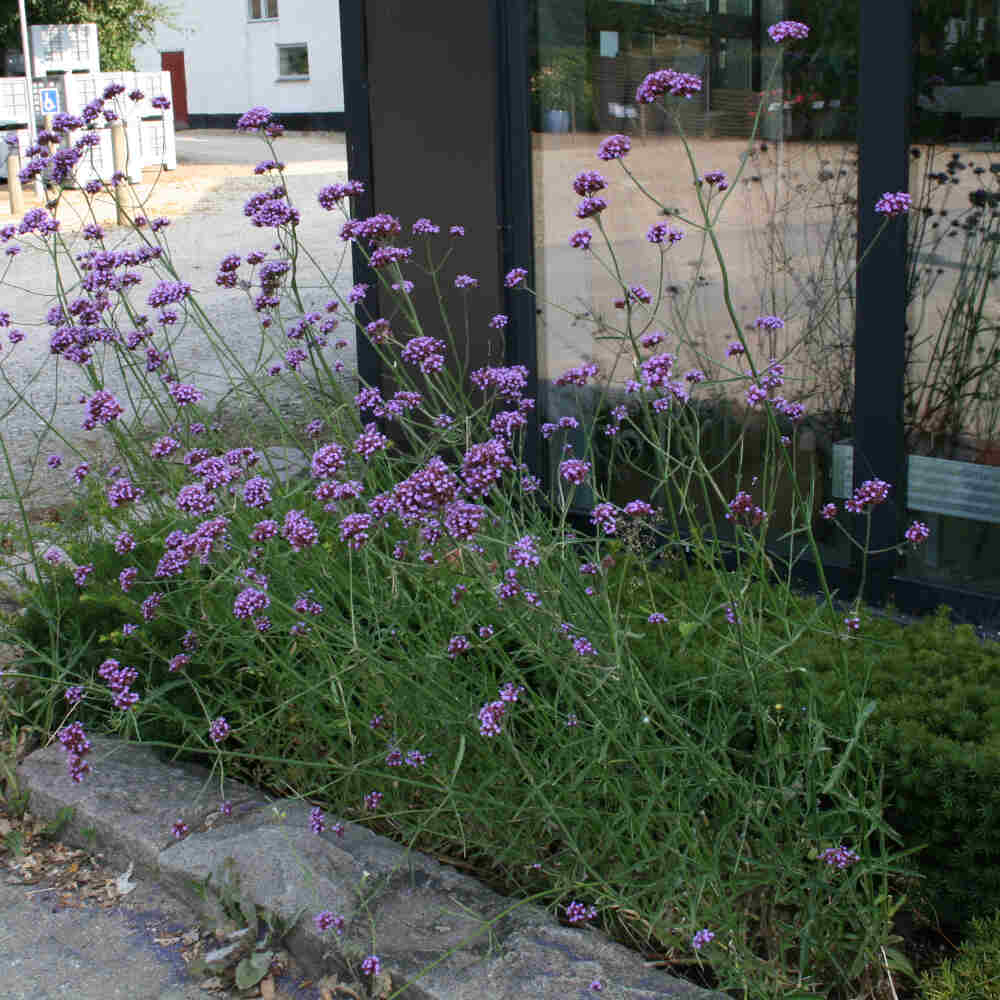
(952, 384)
(786, 231)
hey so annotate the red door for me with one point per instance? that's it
(174, 63)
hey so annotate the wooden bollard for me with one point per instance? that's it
(118, 163)
(14, 183)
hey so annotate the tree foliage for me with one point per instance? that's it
(121, 24)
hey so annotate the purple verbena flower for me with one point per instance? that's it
(701, 938)
(577, 913)
(892, 204)
(218, 730)
(839, 857)
(614, 147)
(788, 29)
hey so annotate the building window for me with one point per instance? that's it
(293, 62)
(263, 10)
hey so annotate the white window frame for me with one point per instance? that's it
(264, 16)
(292, 45)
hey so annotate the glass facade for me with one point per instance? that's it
(952, 378)
(798, 207)
(786, 230)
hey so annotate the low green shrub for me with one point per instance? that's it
(974, 973)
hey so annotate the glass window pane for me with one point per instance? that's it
(952, 387)
(272, 8)
(255, 10)
(786, 229)
(293, 60)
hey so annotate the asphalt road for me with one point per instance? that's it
(215, 146)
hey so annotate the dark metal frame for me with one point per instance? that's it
(354, 50)
(886, 76)
(514, 198)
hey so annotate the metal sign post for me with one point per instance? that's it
(28, 80)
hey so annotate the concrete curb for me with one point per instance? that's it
(428, 923)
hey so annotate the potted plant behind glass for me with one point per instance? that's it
(559, 85)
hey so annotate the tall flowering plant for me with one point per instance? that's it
(410, 631)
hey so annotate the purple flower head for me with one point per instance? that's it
(614, 147)
(581, 239)
(839, 857)
(701, 938)
(179, 829)
(253, 119)
(458, 644)
(185, 395)
(869, 494)
(317, 822)
(892, 204)
(76, 745)
(589, 182)
(326, 919)
(124, 543)
(370, 441)
(514, 277)
(195, 499)
(578, 375)
(769, 323)
(160, 102)
(662, 233)
(299, 531)
(716, 178)
(54, 461)
(590, 207)
(574, 470)
(218, 730)
(102, 408)
(667, 81)
(81, 573)
(122, 492)
(74, 695)
(371, 966)
(788, 29)
(372, 800)
(466, 281)
(917, 533)
(149, 606)
(250, 602)
(577, 913)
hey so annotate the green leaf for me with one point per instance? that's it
(686, 628)
(14, 842)
(251, 970)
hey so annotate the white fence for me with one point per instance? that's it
(149, 131)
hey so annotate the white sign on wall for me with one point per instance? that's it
(48, 99)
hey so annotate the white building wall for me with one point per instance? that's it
(231, 62)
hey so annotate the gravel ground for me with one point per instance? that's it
(204, 201)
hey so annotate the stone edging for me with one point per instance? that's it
(417, 915)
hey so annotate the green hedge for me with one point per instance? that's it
(974, 973)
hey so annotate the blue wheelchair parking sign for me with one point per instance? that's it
(50, 100)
